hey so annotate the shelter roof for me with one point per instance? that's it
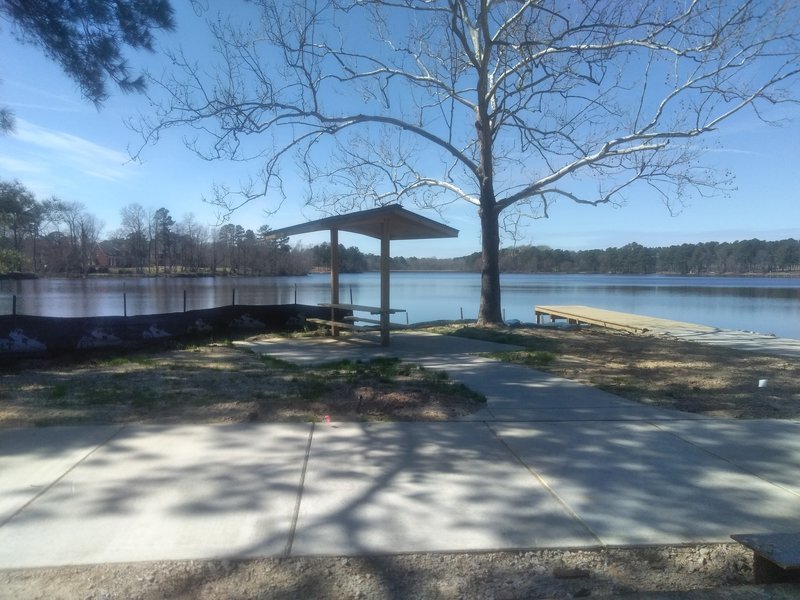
(403, 225)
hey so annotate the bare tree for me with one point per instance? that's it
(193, 238)
(78, 229)
(134, 226)
(508, 105)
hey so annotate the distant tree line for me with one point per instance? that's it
(54, 237)
(747, 256)
(708, 258)
(153, 242)
(44, 236)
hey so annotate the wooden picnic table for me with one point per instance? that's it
(375, 310)
(350, 322)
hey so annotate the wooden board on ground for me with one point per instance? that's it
(776, 556)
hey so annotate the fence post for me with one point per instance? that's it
(124, 304)
(295, 293)
(462, 313)
(14, 305)
(184, 300)
(233, 297)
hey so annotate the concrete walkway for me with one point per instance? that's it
(548, 463)
(740, 340)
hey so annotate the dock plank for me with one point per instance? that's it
(622, 321)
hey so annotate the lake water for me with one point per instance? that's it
(766, 305)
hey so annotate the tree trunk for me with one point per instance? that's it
(490, 312)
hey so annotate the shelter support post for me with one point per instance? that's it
(334, 276)
(385, 287)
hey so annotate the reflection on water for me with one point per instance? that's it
(768, 305)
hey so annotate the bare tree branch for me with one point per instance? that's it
(508, 106)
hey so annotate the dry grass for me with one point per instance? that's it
(661, 371)
(220, 383)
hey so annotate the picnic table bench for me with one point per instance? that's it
(351, 322)
(776, 556)
(339, 324)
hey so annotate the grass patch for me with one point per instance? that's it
(502, 336)
(538, 351)
(59, 391)
(311, 386)
(118, 361)
(271, 362)
(217, 383)
(452, 387)
(178, 368)
(469, 393)
(100, 395)
(385, 369)
(132, 360)
(145, 399)
(529, 358)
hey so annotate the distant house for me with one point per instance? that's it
(107, 255)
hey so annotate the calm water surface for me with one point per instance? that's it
(767, 305)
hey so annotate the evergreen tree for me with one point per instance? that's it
(86, 38)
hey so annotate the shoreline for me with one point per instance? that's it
(17, 276)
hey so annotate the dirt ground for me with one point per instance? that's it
(218, 383)
(660, 371)
(678, 573)
(207, 383)
(210, 383)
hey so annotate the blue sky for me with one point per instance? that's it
(65, 147)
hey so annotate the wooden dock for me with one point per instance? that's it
(621, 321)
